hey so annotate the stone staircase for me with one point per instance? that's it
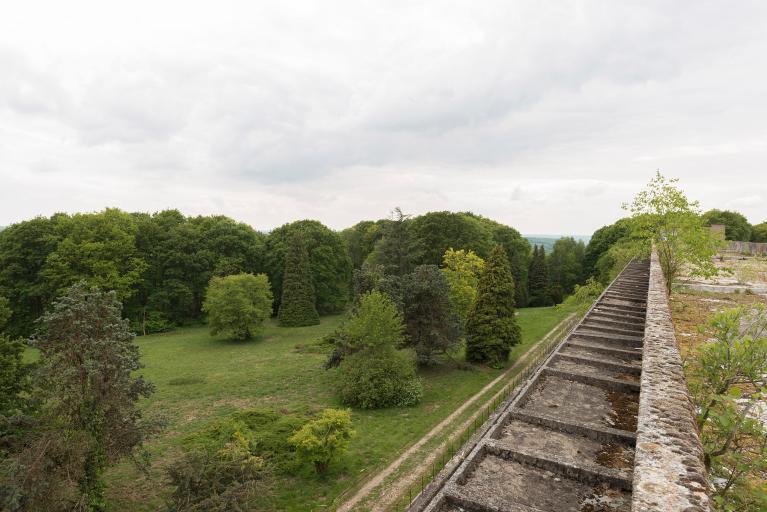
(565, 442)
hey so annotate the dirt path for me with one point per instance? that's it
(402, 484)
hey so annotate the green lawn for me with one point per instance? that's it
(200, 378)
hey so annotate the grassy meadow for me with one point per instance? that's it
(200, 378)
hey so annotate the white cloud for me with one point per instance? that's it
(543, 115)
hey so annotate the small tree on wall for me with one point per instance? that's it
(662, 215)
(491, 329)
(297, 307)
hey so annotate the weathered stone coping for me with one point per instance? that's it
(669, 474)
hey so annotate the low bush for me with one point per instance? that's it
(267, 430)
(378, 378)
(325, 439)
(224, 479)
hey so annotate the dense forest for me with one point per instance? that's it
(160, 264)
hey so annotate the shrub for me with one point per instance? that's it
(217, 480)
(238, 304)
(377, 378)
(325, 439)
(267, 430)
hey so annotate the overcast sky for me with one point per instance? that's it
(542, 115)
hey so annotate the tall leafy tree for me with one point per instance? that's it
(238, 304)
(599, 245)
(462, 270)
(436, 232)
(432, 325)
(565, 265)
(24, 250)
(397, 250)
(361, 238)
(89, 391)
(759, 233)
(736, 225)
(491, 328)
(328, 257)
(297, 307)
(99, 248)
(538, 279)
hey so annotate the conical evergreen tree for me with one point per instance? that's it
(538, 279)
(491, 329)
(297, 307)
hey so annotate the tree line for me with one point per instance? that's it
(160, 264)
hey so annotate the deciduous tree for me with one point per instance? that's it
(736, 225)
(462, 270)
(238, 305)
(662, 215)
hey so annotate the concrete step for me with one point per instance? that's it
(615, 326)
(607, 349)
(592, 334)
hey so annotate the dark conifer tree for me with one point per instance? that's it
(298, 307)
(538, 279)
(491, 329)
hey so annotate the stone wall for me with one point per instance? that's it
(748, 248)
(669, 474)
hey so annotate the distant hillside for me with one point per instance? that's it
(548, 240)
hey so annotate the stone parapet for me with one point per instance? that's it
(669, 474)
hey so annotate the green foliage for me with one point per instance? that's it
(374, 379)
(297, 307)
(329, 261)
(565, 265)
(726, 379)
(583, 295)
(596, 261)
(376, 323)
(462, 270)
(759, 233)
(325, 439)
(238, 304)
(439, 231)
(373, 373)
(436, 232)
(361, 238)
(268, 432)
(491, 329)
(89, 417)
(736, 225)
(99, 248)
(229, 478)
(15, 383)
(431, 323)
(183, 254)
(398, 249)
(159, 264)
(5, 312)
(539, 286)
(662, 215)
